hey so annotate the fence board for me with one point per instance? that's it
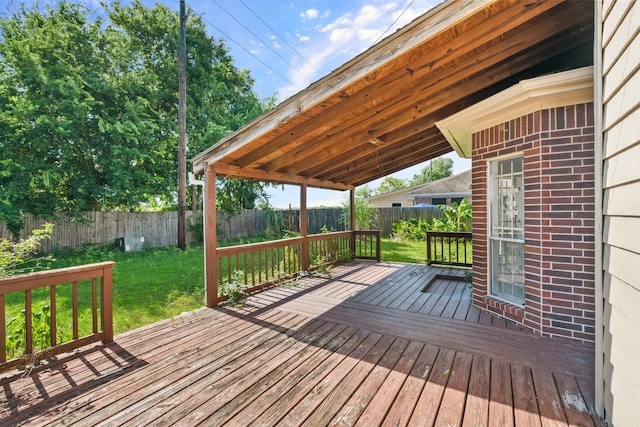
(161, 228)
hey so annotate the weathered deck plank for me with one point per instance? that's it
(364, 348)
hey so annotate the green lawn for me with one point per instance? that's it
(157, 284)
(404, 251)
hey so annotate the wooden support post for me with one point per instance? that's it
(210, 239)
(303, 227)
(106, 304)
(352, 219)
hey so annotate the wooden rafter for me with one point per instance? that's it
(376, 114)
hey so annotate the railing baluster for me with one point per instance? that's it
(51, 279)
(28, 322)
(74, 303)
(94, 304)
(444, 248)
(3, 331)
(54, 316)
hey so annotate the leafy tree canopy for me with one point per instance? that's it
(363, 192)
(439, 168)
(88, 106)
(390, 184)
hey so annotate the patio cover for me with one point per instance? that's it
(376, 114)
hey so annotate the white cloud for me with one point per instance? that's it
(367, 15)
(310, 14)
(340, 39)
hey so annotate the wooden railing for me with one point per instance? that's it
(255, 266)
(449, 248)
(35, 335)
(367, 244)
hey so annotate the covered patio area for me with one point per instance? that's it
(375, 344)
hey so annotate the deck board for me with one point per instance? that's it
(366, 347)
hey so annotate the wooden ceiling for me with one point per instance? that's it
(376, 114)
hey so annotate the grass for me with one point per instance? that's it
(157, 284)
(404, 251)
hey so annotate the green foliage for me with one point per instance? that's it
(414, 229)
(196, 228)
(439, 168)
(15, 256)
(40, 329)
(390, 184)
(234, 289)
(363, 192)
(88, 101)
(456, 217)
(321, 267)
(235, 195)
(366, 215)
(275, 221)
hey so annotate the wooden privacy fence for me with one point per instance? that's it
(34, 333)
(160, 229)
(157, 228)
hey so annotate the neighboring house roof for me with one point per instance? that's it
(459, 184)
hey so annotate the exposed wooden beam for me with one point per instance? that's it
(350, 77)
(419, 65)
(337, 164)
(444, 91)
(260, 175)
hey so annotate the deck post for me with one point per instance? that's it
(106, 301)
(303, 227)
(352, 219)
(210, 239)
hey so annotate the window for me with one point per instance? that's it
(457, 200)
(506, 238)
(439, 201)
(396, 205)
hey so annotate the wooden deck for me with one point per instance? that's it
(367, 347)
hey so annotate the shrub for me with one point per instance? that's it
(15, 255)
(412, 228)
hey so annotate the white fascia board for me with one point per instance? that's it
(540, 93)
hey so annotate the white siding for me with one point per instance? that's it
(621, 185)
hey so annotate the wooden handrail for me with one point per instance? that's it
(265, 263)
(52, 278)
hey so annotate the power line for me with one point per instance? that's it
(256, 36)
(394, 22)
(228, 37)
(276, 32)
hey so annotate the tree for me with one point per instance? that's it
(439, 168)
(234, 195)
(88, 107)
(363, 192)
(390, 184)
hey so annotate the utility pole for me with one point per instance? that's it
(182, 132)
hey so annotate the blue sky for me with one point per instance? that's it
(288, 45)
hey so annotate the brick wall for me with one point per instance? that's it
(558, 150)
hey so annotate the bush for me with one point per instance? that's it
(457, 217)
(412, 229)
(15, 256)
